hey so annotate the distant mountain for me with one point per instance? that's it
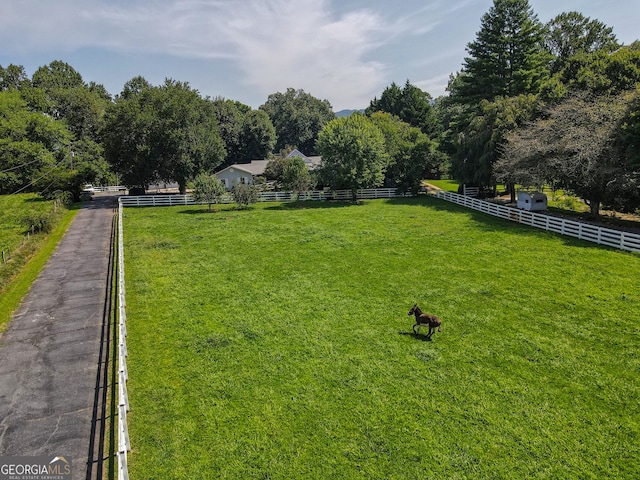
(346, 113)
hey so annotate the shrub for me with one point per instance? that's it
(38, 221)
(244, 195)
(208, 189)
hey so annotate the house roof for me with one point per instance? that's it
(256, 167)
(311, 162)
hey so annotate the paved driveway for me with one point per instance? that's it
(52, 355)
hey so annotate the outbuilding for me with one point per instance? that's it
(532, 201)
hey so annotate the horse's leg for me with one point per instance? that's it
(414, 328)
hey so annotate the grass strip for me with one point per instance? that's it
(39, 252)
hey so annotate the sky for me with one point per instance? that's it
(344, 51)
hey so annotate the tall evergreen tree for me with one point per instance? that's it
(507, 58)
(506, 68)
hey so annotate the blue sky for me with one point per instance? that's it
(345, 51)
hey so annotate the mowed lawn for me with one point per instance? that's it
(274, 343)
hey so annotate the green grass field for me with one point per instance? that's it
(274, 343)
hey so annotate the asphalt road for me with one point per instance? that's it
(53, 354)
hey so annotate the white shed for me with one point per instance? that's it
(532, 201)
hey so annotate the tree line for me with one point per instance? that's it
(546, 104)
(533, 104)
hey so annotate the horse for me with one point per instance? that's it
(425, 319)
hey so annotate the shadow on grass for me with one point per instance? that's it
(205, 211)
(37, 199)
(490, 223)
(417, 336)
(312, 204)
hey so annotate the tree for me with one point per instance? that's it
(208, 189)
(56, 75)
(244, 194)
(81, 108)
(507, 58)
(134, 87)
(572, 33)
(230, 121)
(128, 134)
(247, 134)
(412, 155)
(480, 142)
(575, 146)
(295, 176)
(161, 133)
(258, 136)
(34, 152)
(603, 72)
(297, 117)
(13, 76)
(409, 104)
(496, 90)
(274, 170)
(353, 154)
(187, 141)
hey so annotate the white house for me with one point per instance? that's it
(247, 172)
(310, 162)
(242, 173)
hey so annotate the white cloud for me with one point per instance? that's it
(276, 43)
(299, 45)
(346, 51)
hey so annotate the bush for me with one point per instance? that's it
(62, 197)
(208, 189)
(244, 195)
(38, 222)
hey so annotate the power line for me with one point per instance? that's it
(47, 187)
(39, 178)
(19, 166)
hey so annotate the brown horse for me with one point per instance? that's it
(424, 319)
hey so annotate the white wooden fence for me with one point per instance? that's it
(124, 445)
(584, 231)
(171, 200)
(110, 188)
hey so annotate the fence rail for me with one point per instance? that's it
(110, 188)
(584, 231)
(171, 200)
(124, 445)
